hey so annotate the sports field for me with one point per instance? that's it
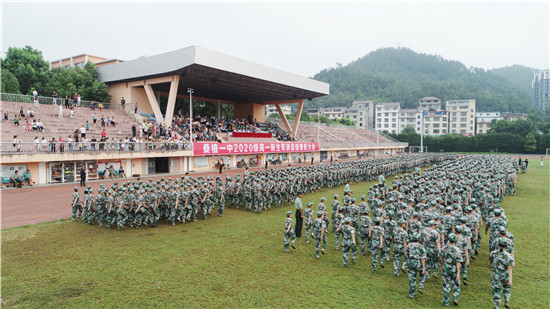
(237, 261)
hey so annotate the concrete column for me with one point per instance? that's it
(42, 173)
(172, 99)
(128, 169)
(283, 117)
(218, 109)
(153, 103)
(297, 119)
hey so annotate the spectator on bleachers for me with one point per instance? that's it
(103, 134)
(6, 117)
(22, 112)
(44, 144)
(16, 120)
(30, 112)
(28, 127)
(36, 144)
(72, 112)
(34, 126)
(39, 125)
(61, 144)
(94, 118)
(67, 102)
(17, 143)
(52, 145)
(82, 131)
(94, 141)
(70, 143)
(60, 111)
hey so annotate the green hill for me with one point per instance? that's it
(402, 75)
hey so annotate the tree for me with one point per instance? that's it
(346, 121)
(9, 82)
(409, 130)
(28, 66)
(530, 143)
(67, 81)
(305, 116)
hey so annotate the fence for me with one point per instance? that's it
(22, 98)
(10, 148)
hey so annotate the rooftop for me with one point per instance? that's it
(217, 76)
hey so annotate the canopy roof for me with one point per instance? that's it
(216, 76)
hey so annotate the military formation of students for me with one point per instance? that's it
(434, 222)
(183, 199)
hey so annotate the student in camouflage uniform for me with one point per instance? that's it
(432, 244)
(220, 197)
(91, 207)
(348, 243)
(462, 243)
(335, 206)
(400, 240)
(319, 228)
(76, 205)
(338, 219)
(289, 235)
(308, 218)
(451, 258)
(501, 278)
(416, 257)
(377, 242)
(365, 230)
(389, 226)
(323, 207)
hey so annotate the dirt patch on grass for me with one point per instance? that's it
(19, 234)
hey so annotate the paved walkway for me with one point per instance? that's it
(44, 203)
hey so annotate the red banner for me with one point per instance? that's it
(252, 134)
(210, 148)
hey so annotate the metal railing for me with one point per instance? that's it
(22, 98)
(10, 148)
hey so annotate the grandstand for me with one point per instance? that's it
(54, 127)
(190, 73)
(331, 136)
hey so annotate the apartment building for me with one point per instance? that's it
(410, 117)
(362, 112)
(541, 90)
(387, 117)
(461, 115)
(271, 109)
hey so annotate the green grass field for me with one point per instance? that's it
(237, 261)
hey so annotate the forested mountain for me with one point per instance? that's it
(402, 75)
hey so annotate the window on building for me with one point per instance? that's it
(386, 125)
(386, 114)
(444, 118)
(444, 131)
(436, 119)
(436, 131)
(454, 126)
(436, 125)
(393, 125)
(444, 125)
(378, 125)
(378, 114)
(480, 131)
(360, 119)
(471, 121)
(426, 131)
(394, 114)
(427, 125)
(463, 125)
(453, 119)
(463, 119)
(463, 113)
(454, 113)
(462, 131)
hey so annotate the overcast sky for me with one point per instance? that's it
(301, 38)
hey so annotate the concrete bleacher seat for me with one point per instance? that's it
(54, 127)
(339, 135)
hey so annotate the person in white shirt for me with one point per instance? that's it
(44, 143)
(40, 126)
(83, 131)
(60, 111)
(70, 142)
(85, 143)
(72, 113)
(36, 144)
